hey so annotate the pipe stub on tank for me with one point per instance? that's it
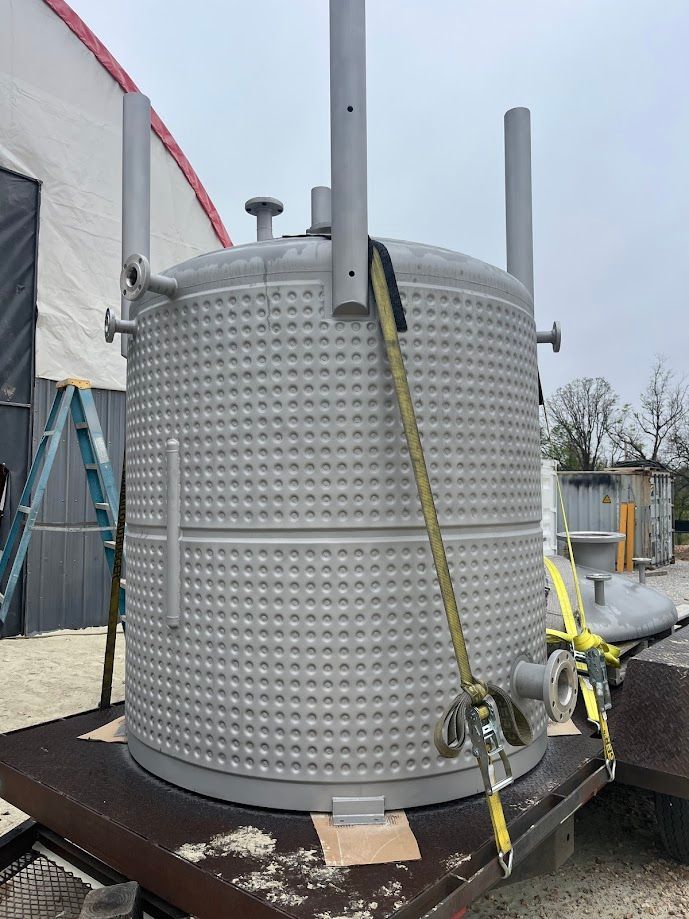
(136, 278)
(554, 683)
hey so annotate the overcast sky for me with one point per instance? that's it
(243, 86)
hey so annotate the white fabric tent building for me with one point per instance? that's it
(60, 207)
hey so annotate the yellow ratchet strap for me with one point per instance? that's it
(478, 702)
(582, 639)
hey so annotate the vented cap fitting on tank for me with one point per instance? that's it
(264, 209)
(554, 683)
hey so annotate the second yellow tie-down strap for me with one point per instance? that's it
(582, 639)
(473, 687)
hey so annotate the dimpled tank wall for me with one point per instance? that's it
(313, 655)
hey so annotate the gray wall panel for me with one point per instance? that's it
(67, 582)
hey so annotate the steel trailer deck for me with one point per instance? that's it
(94, 795)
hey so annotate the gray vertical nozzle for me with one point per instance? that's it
(321, 213)
(264, 209)
(641, 564)
(519, 223)
(136, 184)
(599, 579)
(348, 157)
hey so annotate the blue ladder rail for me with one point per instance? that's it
(73, 396)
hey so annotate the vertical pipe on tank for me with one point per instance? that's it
(519, 225)
(321, 210)
(348, 157)
(173, 598)
(136, 184)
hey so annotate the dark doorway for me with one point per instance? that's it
(19, 203)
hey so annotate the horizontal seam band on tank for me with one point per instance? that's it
(259, 279)
(316, 534)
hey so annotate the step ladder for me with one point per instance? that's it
(75, 396)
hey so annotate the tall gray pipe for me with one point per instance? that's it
(136, 184)
(348, 157)
(519, 224)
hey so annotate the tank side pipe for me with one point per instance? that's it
(172, 574)
(518, 207)
(136, 184)
(348, 157)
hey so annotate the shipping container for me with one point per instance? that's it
(594, 501)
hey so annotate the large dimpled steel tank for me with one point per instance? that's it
(309, 656)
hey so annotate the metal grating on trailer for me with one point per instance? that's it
(33, 887)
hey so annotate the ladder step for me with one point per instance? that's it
(81, 425)
(24, 509)
(109, 543)
(102, 506)
(89, 466)
(48, 433)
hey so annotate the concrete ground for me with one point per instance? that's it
(618, 871)
(49, 676)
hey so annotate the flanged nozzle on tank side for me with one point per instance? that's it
(554, 683)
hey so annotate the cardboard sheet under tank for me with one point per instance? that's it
(632, 610)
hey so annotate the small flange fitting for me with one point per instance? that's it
(554, 683)
(136, 279)
(115, 325)
(641, 564)
(599, 579)
(553, 337)
(264, 209)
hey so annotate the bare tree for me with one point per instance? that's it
(654, 430)
(581, 414)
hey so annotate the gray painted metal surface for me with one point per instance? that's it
(593, 499)
(313, 658)
(67, 578)
(136, 185)
(19, 204)
(348, 164)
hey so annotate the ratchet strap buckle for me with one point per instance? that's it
(488, 746)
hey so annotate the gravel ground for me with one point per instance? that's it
(618, 871)
(673, 581)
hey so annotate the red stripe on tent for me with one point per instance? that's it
(101, 53)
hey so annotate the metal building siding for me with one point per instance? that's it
(67, 578)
